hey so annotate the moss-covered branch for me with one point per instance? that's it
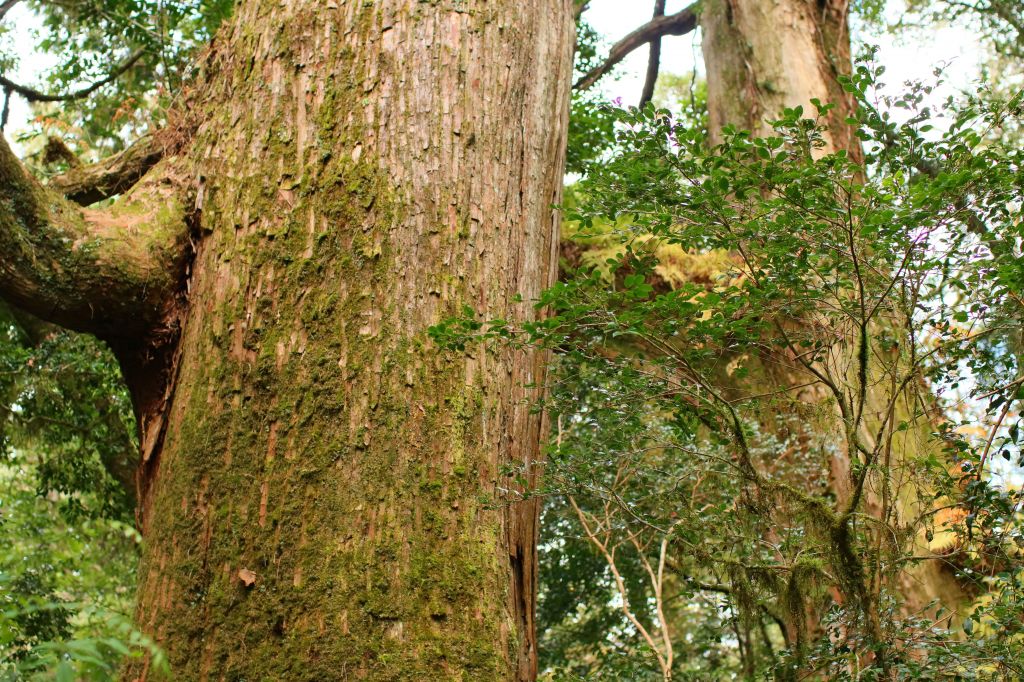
(89, 184)
(111, 272)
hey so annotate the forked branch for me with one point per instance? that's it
(664, 655)
(111, 272)
(680, 23)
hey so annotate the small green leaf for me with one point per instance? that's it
(65, 672)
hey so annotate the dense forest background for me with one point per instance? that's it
(784, 401)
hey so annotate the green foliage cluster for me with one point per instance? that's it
(772, 307)
(66, 414)
(591, 120)
(93, 39)
(66, 588)
(68, 547)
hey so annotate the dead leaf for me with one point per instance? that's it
(247, 577)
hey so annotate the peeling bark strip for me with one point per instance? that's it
(370, 167)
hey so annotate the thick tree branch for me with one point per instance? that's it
(33, 95)
(89, 184)
(111, 272)
(680, 23)
(6, 111)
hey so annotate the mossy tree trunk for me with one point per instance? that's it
(322, 491)
(762, 56)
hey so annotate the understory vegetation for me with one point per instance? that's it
(784, 398)
(738, 318)
(68, 544)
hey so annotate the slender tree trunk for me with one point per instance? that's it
(324, 492)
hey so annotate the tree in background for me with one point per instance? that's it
(649, 571)
(633, 520)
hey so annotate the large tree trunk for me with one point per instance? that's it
(762, 56)
(317, 508)
(323, 494)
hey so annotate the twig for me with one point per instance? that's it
(992, 436)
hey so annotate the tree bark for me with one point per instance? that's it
(324, 493)
(325, 499)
